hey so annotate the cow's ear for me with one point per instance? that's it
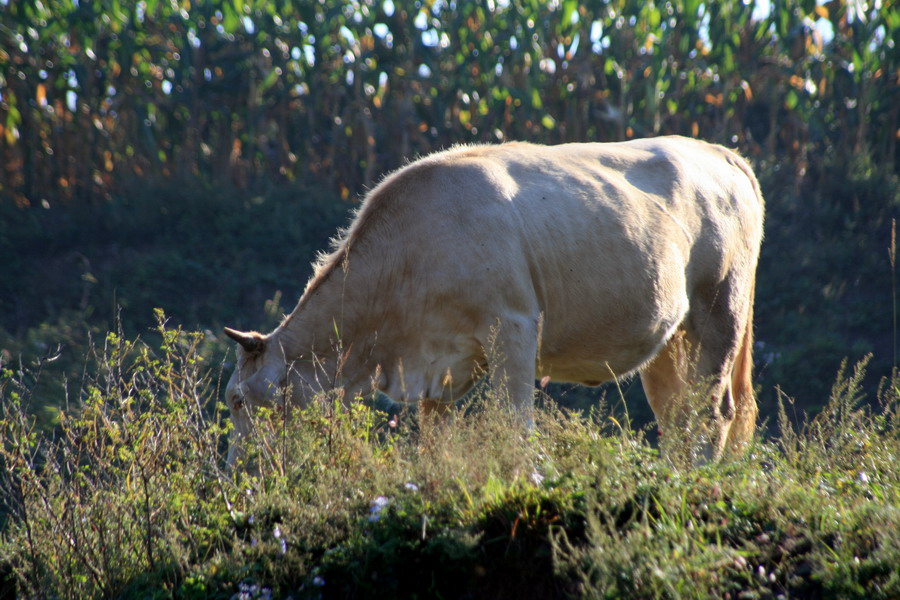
(251, 342)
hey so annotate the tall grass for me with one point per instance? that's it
(129, 498)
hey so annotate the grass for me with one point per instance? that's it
(128, 498)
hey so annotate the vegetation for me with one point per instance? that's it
(258, 92)
(195, 155)
(129, 499)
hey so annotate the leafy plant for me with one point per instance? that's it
(258, 93)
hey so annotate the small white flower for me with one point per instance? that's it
(245, 592)
(376, 506)
(318, 581)
(863, 478)
(277, 531)
(411, 486)
(283, 547)
(537, 478)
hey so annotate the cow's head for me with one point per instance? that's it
(269, 374)
(263, 376)
(259, 374)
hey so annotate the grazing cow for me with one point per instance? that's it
(578, 262)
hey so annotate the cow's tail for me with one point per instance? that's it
(744, 424)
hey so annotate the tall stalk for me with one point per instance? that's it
(892, 253)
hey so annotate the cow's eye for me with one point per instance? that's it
(237, 402)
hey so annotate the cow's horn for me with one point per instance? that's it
(251, 342)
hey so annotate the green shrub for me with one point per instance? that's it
(128, 497)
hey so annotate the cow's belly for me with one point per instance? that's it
(596, 364)
(595, 350)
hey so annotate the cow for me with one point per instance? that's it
(580, 262)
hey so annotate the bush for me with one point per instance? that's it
(128, 498)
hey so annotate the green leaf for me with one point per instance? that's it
(569, 7)
(784, 22)
(653, 17)
(232, 20)
(791, 100)
(857, 61)
(727, 60)
(269, 81)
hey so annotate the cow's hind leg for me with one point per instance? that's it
(693, 406)
(665, 381)
(718, 328)
(694, 385)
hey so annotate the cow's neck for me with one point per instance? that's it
(341, 319)
(324, 324)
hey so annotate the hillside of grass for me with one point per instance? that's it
(129, 499)
(195, 156)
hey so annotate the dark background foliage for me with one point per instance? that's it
(194, 155)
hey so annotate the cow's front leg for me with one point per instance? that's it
(511, 354)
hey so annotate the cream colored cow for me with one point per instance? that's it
(577, 262)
